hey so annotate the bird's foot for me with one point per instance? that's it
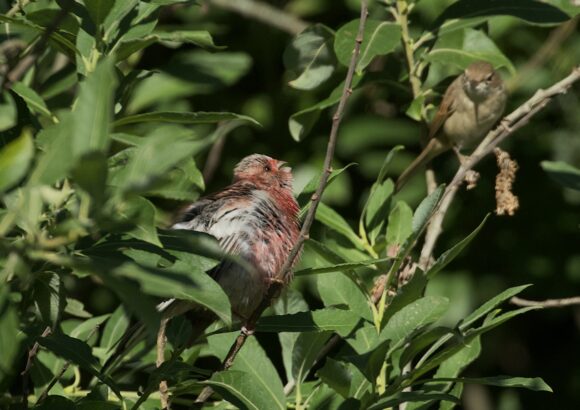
(247, 330)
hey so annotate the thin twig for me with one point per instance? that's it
(508, 125)
(24, 64)
(29, 362)
(64, 368)
(265, 13)
(161, 341)
(213, 159)
(277, 282)
(548, 303)
(551, 46)
(401, 13)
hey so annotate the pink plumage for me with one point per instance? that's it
(255, 218)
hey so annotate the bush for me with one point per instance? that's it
(108, 111)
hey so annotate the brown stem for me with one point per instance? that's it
(548, 303)
(24, 64)
(213, 159)
(29, 362)
(63, 369)
(161, 341)
(276, 285)
(264, 13)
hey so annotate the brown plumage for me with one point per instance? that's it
(472, 104)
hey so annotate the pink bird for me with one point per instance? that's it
(255, 218)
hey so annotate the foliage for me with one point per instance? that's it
(102, 140)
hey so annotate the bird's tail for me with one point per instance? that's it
(431, 150)
(198, 318)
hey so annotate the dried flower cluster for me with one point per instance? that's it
(506, 201)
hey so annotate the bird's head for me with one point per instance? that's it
(480, 80)
(264, 171)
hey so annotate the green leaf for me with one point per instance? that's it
(564, 174)
(90, 173)
(291, 301)
(183, 118)
(79, 353)
(340, 289)
(61, 41)
(322, 320)
(142, 213)
(49, 298)
(490, 305)
(408, 293)
(410, 397)
(447, 256)
(253, 360)
(147, 165)
(379, 38)
(15, 158)
(412, 317)
(115, 328)
(336, 375)
(116, 16)
(99, 10)
(306, 195)
(76, 308)
(11, 338)
(306, 351)
(535, 383)
(339, 267)
(527, 10)
(200, 38)
(33, 100)
(460, 343)
(311, 57)
(426, 208)
(190, 73)
(57, 158)
(301, 122)
(377, 208)
(400, 225)
(333, 220)
(421, 342)
(241, 389)
(466, 47)
(94, 110)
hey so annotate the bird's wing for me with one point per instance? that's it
(446, 108)
(226, 216)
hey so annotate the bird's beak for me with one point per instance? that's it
(282, 165)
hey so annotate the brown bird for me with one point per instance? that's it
(472, 104)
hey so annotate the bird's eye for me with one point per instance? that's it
(489, 77)
(267, 168)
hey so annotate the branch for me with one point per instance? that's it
(63, 369)
(24, 64)
(161, 341)
(548, 303)
(277, 282)
(508, 125)
(265, 13)
(29, 362)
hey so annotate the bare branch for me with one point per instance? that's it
(29, 362)
(508, 125)
(63, 369)
(548, 303)
(265, 13)
(24, 64)
(277, 282)
(161, 341)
